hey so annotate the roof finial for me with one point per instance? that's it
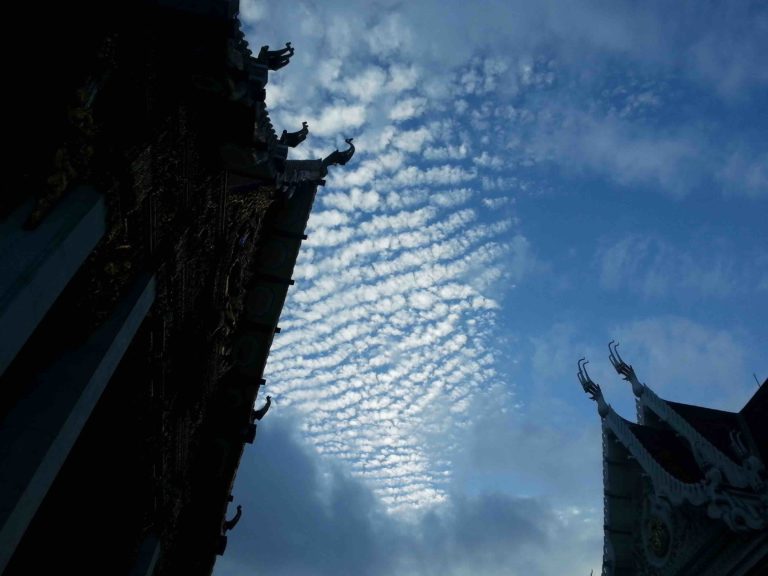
(591, 388)
(229, 524)
(275, 59)
(261, 412)
(293, 139)
(625, 370)
(340, 158)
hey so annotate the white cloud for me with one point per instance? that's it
(407, 109)
(446, 152)
(402, 78)
(489, 161)
(390, 35)
(503, 183)
(368, 171)
(327, 219)
(453, 197)
(252, 11)
(338, 118)
(357, 199)
(446, 174)
(412, 140)
(368, 84)
(498, 202)
(329, 72)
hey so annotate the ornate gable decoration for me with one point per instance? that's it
(699, 464)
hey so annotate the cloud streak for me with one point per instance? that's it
(655, 268)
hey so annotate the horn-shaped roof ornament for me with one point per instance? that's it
(340, 158)
(293, 139)
(275, 59)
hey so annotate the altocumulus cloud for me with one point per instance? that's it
(387, 344)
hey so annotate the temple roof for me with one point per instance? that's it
(669, 450)
(715, 425)
(663, 459)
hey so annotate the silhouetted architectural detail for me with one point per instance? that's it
(275, 59)
(249, 433)
(229, 524)
(293, 139)
(261, 412)
(154, 218)
(685, 486)
(221, 545)
(594, 391)
(340, 158)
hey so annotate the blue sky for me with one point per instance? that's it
(532, 180)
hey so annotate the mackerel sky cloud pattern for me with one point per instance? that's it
(533, 178)
(386, 345)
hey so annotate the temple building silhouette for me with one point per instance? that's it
(685, 487)
(147, 246)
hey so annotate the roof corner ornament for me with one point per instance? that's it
(275, 59)
(229, 524)
(293, 139)
(625, 370)
(261, 412)
(340, 158)
(591, 388)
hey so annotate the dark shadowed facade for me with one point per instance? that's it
(686, 490)
(147, 246)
